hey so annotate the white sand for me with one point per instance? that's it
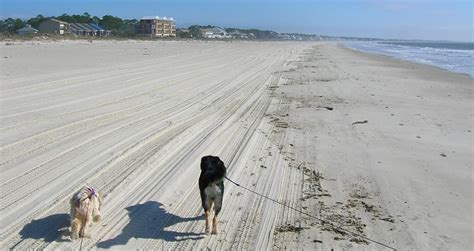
(133, 119)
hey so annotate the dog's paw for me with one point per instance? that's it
(214, 231)
(97, 218)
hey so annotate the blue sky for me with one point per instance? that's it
(406, 19)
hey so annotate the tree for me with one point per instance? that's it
(183, 34)
(66, 18)
(10, 25)
(84, 18)
(195, 30)
(111, 23)
(35, 21)
(128, 28)
(96, 19)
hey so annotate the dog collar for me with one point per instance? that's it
(91, 191)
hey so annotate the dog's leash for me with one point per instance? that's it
(334, 225)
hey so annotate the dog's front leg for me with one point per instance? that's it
(85, 228)
(75, 228)
(214, 225)
(208, 221)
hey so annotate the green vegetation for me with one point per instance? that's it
(255, 33)
(84, 18)
(10, 25)
(194, 31)
(118, 26)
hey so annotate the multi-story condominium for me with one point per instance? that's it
(154, 26)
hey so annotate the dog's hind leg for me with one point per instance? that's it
(217, 209)
(208, 218)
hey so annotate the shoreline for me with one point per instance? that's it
(411, 65)
(403, 60)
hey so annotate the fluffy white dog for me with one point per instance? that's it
(85, 209)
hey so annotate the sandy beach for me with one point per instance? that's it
(376, 146)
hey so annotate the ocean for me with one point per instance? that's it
(455, 57)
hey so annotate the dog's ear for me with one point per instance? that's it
(203, 159)
(217, 161)
(221, 163)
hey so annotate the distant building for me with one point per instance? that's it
(85, 29)
(27, 30)
(215, 32)
(154, 26)
(53, 26)
(239, 35)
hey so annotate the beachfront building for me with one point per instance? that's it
(154, 26)
(215, 32)
(27, 30)
(53, 26)
(236, 34)
(85, 29)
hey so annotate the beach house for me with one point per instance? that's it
(154, 26)
(27, 30)
(88, 29)
(54, 26)
(215, 32)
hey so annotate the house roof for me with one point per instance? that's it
(85, 27)
(55, 20)
(96, 26)
(28, 28)
(157, 18)
(214, 30)
(79, 26)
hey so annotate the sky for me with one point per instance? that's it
(399, 19)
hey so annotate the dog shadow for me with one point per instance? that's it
(148, 221)
(49, 228)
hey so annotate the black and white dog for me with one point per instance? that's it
(211, 185)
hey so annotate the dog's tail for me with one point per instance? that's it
(211, 208)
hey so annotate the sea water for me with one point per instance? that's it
(452, 56)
